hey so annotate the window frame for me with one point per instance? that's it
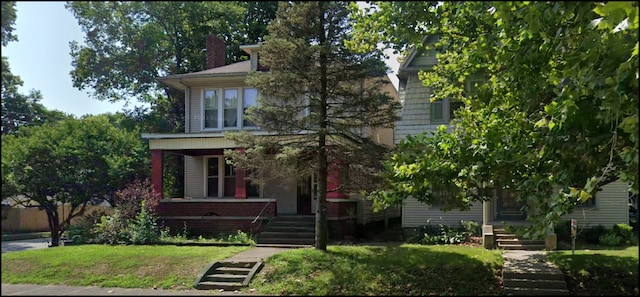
(220, 110)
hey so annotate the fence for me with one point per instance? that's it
(35, 220)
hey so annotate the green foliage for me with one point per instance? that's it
(544, 123)
(610, 238)
(74, 162)
(319, 97)
(626, 233)
(143, 229)
(8, 23)
(591, 234)
(82, 230)
(111, 229)
(241, 237)
(445, 234)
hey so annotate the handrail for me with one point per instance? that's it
(265, 207)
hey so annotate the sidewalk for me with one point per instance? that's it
(254, 254)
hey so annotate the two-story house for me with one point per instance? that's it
(217, 197)
(418, 115)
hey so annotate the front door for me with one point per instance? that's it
(508, 207)
(304, 195)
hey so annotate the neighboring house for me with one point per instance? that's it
(418, 115)
(217, 197)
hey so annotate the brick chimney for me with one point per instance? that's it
(215, 52)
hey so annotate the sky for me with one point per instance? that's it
(41, 57)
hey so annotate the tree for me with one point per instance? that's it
(545, 123)
(8, 21)
(74, 162)
(316, 97)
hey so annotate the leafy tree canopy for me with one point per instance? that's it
(555, 119)
(74, 162)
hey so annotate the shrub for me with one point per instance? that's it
(592, 235)
(563, 230)
(610, 238)
(626, 233)
(241, 237)
(144, 229)
(82, 231)
(472, 228)
(129, 200)
(111, 229)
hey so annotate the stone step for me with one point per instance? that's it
(518, 246)
(284, 245)
(534, 292)
(227, 278)
(206, 285)
(270, 234)
(549, 274)
(279, 223)
(237, 264)
(297, 241)
(291, 228)
(534, 283)
(295, 218)
(519, 240)
(233, 270)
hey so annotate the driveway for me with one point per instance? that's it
(26, 244)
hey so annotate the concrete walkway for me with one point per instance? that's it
(529, 273)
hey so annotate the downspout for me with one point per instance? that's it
(187, 108)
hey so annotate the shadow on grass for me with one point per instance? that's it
(384, 270)
(598, 274)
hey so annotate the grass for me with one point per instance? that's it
(407, 269)
(393, 269)
(132, 266)
(599, 270)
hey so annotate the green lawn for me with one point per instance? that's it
(133, 266)
(395, 269)
(406, 269)
(599, 271)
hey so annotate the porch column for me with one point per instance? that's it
(156, 171)
(241, 183)
(333, 181)
(486, 208)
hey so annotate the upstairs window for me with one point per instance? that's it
(250, 97)
(224, 109)
(211, 109)
(442, 112)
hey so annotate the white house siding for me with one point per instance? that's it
(611, 207)
(416, 214)
(193, 176)
(195, 122)
(286, 194)
(415, 111)
(367, 215)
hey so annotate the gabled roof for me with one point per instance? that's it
(405, 66)
(235, 69)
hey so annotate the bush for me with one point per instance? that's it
(610, 238)
(82, 231)
(592, 235)
(563, 230)
(111, 229)
(241, 237)
(130, 199)
(144, 229)
(472, 228)
(627, 234)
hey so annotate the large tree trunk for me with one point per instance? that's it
(322, 228)
(54, 224)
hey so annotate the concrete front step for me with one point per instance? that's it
(291, 228)
(271, 234)
(534, 292)
(302, 224)
(227, 275)
(518, 246)
(534, 283)
(549, 274)
(284, 245)
(285, 240)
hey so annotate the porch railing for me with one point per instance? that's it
(259, 218)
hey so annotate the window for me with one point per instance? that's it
(213, 173)
(210, 109)
(229, 180)
(222, 108)
(442, 111)
(230, 108)
(250, 98)
(220, 178)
